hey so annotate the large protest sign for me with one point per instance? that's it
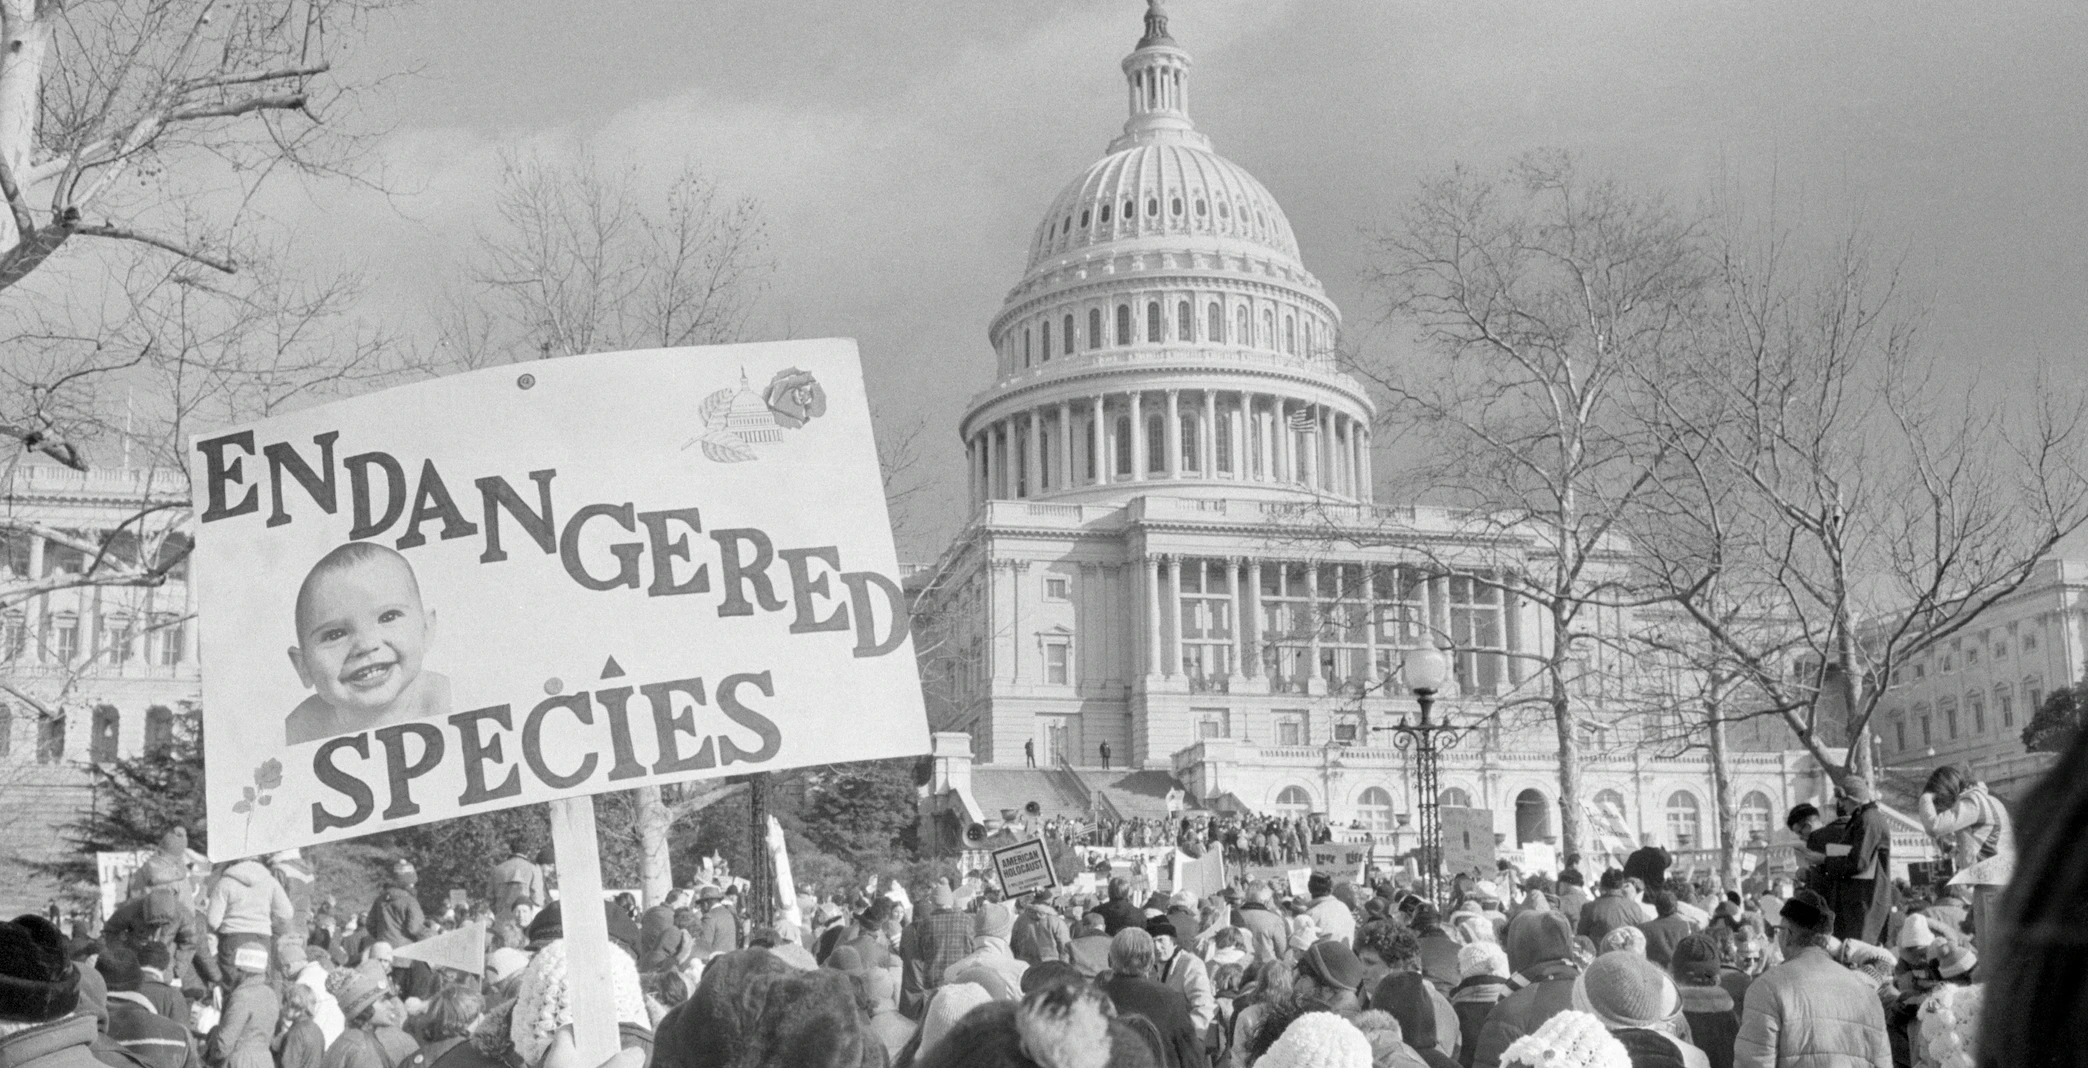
(542, 581)
(1468, 840)
(1024, 867)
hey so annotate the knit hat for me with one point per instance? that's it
(943, 896)
(1486, 890)
(1570, 1039)
(1695, 961)
(881, 989)
(37, 981)
(1065, 1027)
(1482, 958)
(1916, 933)
(1332, 963)
(1318, 1040)
(544, 1000)
(1626, 990)
(355, 990)
(994, 921)
(846, 960)
(1808, 910)
(549, 926)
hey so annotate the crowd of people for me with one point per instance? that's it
(1637, 970)
(1266, 841)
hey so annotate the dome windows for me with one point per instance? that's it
(1156, 327)
(1175, 208)
(1185, 322)
(1105, 214)
(1094, 328)
(1214, 330)
(1123, 324)
(1047, 336)
(1130, 210)
(1152, 206)
(1199, 207)
(1083, 220)
(1068, 350)
(1224, 210)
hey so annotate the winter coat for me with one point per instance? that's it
(1658, 1049)
(395, 917)
(301, 886)
(1714, 1020)
(1439, 957)
(1168, 1011)
(1649, 865)
(1474, 999)
(1606, 914)
(1542, 992)
(1090, 954)
(159, 869)
(370, 1047)
(717, 932)
(302, 1046)
(1810, 1012)
(1119, 913)
(242, 1038)
(987, 1038)
(1186, 973)
(1861, 879)
(1572, 899)
(247, 900)
(1661, 936)
(1040, 935)
(1335, 920)
(514, 881)
(150, 1037)
(63, 1043)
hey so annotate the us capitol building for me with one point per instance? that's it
(1174, 550)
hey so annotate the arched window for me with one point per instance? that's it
(1185, 322)
(1975, 703)
(1123, 445)
(1047, 337)
(1199, 207)
(1176, 206)
(107, 723)
(1084, 219)
(1293, 802)
(1105, 213)
(2004, 703)
(1152, 206)
(1156, 443)
(1290, 335)
(1067, 323)
(1123, 324)
(1374, 809)
(1224, 210)
(1130, 211)
(1224, 445)
(159, 730)
(1268, 330)
(1754, 818)
(1214, 330)
(1026, 344)
(1240, 326)
(1454, 797)
(1192, 452)
(1156, 327)
(1094, 329)
(1684, 821)
(6, 731)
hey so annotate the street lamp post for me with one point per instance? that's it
(1426, 670)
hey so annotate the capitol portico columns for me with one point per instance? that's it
(1170, 620)
(1152, 613)
(1065, 446)
(1210, 434)
(1096, 451)
(1171, 435)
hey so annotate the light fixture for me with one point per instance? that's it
(1425, 669)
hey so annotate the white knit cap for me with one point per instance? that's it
(544, 1001)
(1570, 1039)
(1916, 933)
(1319, 1040)
(1482, 958)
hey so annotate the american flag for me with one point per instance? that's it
(1303, 420)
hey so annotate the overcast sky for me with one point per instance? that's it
(902, 152)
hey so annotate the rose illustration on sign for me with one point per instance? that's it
(736, 421)
(267, 777)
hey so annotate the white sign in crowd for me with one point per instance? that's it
(543, 581)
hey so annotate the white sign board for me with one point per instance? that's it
(1024, 868)
(1996, 870)
(546, 580)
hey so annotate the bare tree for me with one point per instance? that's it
(1823, 476)
(101, 99)
(583, 260)
(1532, 297)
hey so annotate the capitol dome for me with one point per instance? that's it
(1165, 328)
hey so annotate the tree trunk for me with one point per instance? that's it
(655, 867)
(27, 46)
(1722, 784)
(761, 898)
(1569, 742)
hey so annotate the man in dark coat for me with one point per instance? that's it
(1541, 988)
(1120, 912)
(1859, 866)
(1131, 987)
(1648, 864)
(135, 1023)
(1665, 930)
(1614, 909)
(395, 916)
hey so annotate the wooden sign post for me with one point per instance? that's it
(586, 928)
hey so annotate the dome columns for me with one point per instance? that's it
(1067, 446)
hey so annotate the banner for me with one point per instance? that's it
(1996, 870)
(1468, 841)
(1335, 858)
(1024, 868)
(463, 949)
(545, 580)
(1202, 876)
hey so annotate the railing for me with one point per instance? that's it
(1289, 684)
(1210, 684)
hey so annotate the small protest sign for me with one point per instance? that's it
(1996, 870)
(463, 949)
(113, 871)
(1024, 867)
(1300, 881)
(1336, 858)
(543, 581)
(1468, 840)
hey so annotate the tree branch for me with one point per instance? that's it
(125, 234)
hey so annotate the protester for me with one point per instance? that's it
(515, 886)
(39, 991)
(244, 1037)
(1040, 932)
(1089, 950)
(1811, 1011)
(1333, 918)
(1713, 1014)
(718, 932)
(1318, 1040)
(1482, 983)
(246, 907)
(2036, 984)
(1617, 907)
(1120, 912)
(1639, 1004)
(1648, 863)
(1569, 1039)
(1858, 866)
(1974, 826)
(135, 1023)
(1440, 953)
(931, 944)
(1665, 930)
(395, 917)
(1414, 1003)
(167, 865)
(299, 1042)
(1132, 988)
(1545, 971)
(1271, 936)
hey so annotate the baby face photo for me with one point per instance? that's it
(362, 636)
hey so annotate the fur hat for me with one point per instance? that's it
(1625, 990)
(1318, 1040)
(120, 969)
(38, 982)
(1570, 1039)
(722, 1016)
(1482, 958)
(1808, 910)
(810, 1020)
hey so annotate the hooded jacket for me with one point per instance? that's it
(1474, 999)
(1541, 988)
(62, 1043)
(1714, 1021)
(246, 899)
(1978, 826)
